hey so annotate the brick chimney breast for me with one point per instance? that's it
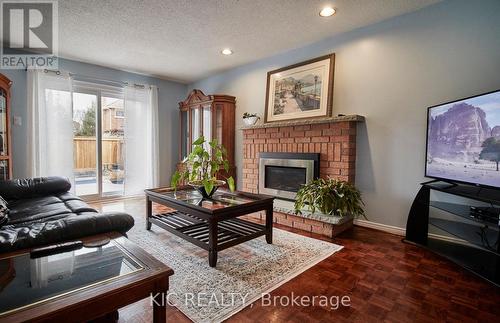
(333, 138)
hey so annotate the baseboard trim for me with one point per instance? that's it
(381, 227)
(112, 199)
(402, 231)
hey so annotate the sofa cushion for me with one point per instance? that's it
(32, 187)
(72, 226)
(46, 208)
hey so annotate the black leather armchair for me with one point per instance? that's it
(42, 211)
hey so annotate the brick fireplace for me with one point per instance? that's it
(333, 138)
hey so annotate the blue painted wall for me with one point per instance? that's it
(389, 72)
(169, 94)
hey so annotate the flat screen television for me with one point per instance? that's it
(463, 140)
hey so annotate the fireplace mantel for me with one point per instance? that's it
(353, 117)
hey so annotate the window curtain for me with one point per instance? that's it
(50, 124)
(141, 139)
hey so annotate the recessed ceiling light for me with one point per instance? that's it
(226, 51)
(327, 12)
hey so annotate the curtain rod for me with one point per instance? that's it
(57, 72)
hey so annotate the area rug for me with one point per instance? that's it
(243, 273)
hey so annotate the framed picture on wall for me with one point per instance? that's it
(300, 91)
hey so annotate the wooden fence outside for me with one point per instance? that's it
(85, 152)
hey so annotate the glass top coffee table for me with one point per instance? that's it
(82, 282)
(211, 224)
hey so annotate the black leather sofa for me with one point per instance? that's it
(41, 211)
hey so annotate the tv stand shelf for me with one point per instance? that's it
(467, 232)
(474, 242)
(463, 211)
(483, 194)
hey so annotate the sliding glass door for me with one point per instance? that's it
(99, 149)
(84, 143)
(112, 145)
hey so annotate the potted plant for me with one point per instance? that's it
(202, 166)
(249, 119)
(330, 197)
(116, 175)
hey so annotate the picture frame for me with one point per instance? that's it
(300, 91)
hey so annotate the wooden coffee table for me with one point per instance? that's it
(211, 224)
(90, 283)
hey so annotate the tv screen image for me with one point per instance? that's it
(463, 140)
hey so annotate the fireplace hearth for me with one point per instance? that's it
(282, 174)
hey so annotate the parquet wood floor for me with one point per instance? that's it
(386, 280)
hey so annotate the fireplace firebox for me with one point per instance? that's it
(282, 174)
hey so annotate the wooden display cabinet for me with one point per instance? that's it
(211, 116)
(5, 143)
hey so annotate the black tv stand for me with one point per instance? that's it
(474, 241)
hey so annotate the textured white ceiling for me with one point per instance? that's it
(181, 39)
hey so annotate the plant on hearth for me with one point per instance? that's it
(330, 196)
(201, 167)
(249, 119)
(250, 115)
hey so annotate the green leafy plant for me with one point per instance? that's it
(330, 196)
(202, 166)
(250, 115)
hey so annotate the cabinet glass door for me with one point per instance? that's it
(4, 170)
(218, 124)
(184, 134)
(207, 126)
(3, 125)
(195, 122)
